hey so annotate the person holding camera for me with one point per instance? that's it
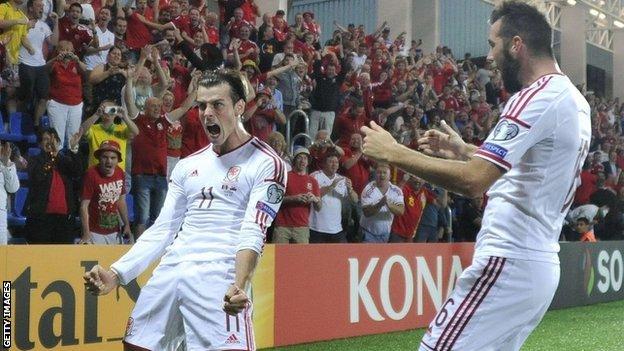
(107, 129)
(65, 96)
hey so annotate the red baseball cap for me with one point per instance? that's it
(108, 145)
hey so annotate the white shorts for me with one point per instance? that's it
(105, 239)
(496, 304)
(184, 302)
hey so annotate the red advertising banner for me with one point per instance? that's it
(326, 292)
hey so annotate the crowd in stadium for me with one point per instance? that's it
(98, 102)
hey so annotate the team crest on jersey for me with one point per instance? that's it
(309, 186)
(505, 130)
(232, 174)
(274, 194)
(229, 182)
(129, 326)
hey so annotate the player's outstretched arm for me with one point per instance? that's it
(99, 281)
(447, 144)
(471, 178)
(152, 243)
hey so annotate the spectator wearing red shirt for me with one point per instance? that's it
(138, 34)
(179, 20)
(302, 192)
(263, 116)
(50, 205)
(355, 165)
(310, 26)
(248, 50)
(174, 125)
(350, 122)
(65, 93)
(236, 23)
(196, 26)
(306, 49)
(366, 91)
(321, 147)
(280, 26)
(416, 197)
(71, 30)
(441, 69)
(588, 185)
(382, 91)
(212, 28)
(250, 11)
(149, 161)
(103, 199)
(450, 102)
(193, 136)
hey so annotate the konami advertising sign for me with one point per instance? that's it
(335, 291)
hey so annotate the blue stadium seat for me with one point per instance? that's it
(17, 218)
(33, 151)
(22, 175)
(45, 121)
(21, 128)
(130, 204)
(14, 119)
(17, 241)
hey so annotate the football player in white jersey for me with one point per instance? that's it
(529, 165)
(208, 235)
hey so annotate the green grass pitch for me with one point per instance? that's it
(589, 328)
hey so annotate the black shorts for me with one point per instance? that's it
(34, 82)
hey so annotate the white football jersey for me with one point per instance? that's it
(216, 205)
(380, 222)
(541, 141)
(329, 218)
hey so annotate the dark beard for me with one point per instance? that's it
(510, 69)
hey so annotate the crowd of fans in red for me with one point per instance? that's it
(109, 90)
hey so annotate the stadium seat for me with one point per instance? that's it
(17, 241)
(9, 135)
(45, 121)
(22, 175)
(17, 218)
(33, 151)
(21, 128)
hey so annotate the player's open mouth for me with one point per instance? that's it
(213, 130)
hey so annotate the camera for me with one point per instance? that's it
(112, 110)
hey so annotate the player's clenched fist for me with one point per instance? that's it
(377, 142)
(235, 300)
(99, 281)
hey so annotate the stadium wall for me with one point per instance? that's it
(302, 293)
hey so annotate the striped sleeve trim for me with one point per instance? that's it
(497, 160)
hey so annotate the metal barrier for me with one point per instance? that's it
(296, 114)
(291, 146)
